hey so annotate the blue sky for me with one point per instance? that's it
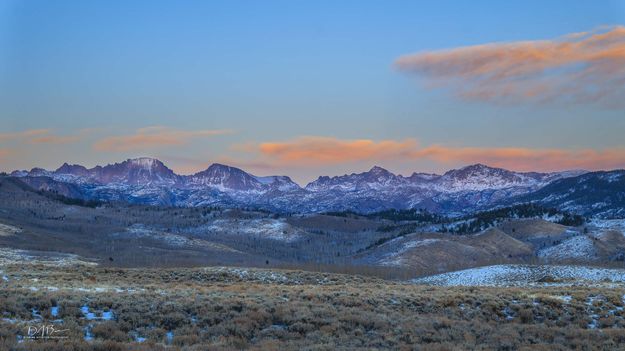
(273, 71)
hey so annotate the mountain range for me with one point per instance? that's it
(474, 187)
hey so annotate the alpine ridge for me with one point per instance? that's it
(149, 181)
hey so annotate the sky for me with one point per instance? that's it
(309, 88)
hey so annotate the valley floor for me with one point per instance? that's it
(218, 308)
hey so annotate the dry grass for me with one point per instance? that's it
(224, 309)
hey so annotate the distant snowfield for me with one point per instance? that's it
(8, 230)
(526, 275)
(173, 240)
(265, 228)
(394, 258)
(609, 224)
(578, 247)
(10, 256)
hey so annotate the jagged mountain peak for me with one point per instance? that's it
(226, 178)
(148, 180)
(36, 171)
(74, 169)
(222, 167)
(139, 171)
(474, 169)
(145, 162)
(423, 176)
(376, 178)
(280, 183)
(379, 170)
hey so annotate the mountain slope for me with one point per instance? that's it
(599, 194)
(149, 181)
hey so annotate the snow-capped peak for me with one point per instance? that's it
(375, 189)
(144, 162)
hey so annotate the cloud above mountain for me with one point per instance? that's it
(42, 136)
(314, 151)
(326, 150)
(586, 67)
(527, 159)
(153, 137)
(4, 153)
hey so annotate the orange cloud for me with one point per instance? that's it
(320, 151)
(4, 153)
(23, 135)
(324, 150)
(580, 67)
(526, 159)
(152, 137)
(55, 139)
(42, 136)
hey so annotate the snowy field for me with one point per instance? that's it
(54, 259)
(8, 230)
(526, 275)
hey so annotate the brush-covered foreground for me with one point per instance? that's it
(97, 308)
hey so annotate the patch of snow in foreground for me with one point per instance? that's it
(88, 333)
(88, 315)
(526, 275)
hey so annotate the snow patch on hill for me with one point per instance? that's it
(578, 247)
(54, 259)
(526, 275)
(264, 228)
(395, 258)
(8, 230)
(173, 240)
(609, 224)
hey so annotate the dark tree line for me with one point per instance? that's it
(395, 215)
(486, 219)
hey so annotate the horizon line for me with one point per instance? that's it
(10, 172)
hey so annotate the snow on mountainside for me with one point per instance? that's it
(225, 178)
(599, 194)
(470, 178)
(149, 181)
(280, 183)
(376, 178)
(139, 171)
(481, 177)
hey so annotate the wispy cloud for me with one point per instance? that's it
(323, 151)
(153, 137)
(313, 150)
(55, 139)
(23, 135)
(4, 153)
(584, 67)
(42, 136)
(527, 159)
